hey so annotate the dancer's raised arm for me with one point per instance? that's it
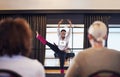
(69, 21)
(60, 23)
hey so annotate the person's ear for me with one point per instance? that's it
(105, 37)
(90, 36)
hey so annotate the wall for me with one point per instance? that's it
(58, 4)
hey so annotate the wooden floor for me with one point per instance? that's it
(52, 71)
(55, 63)
(55, 75)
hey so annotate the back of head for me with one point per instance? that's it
(15, 37)
(98, 30)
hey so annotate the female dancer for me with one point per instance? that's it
(61, 48)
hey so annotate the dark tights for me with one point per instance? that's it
(61, 54)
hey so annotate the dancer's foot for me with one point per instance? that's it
(62, 71)
(42, 40)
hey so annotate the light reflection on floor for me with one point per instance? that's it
(55, 62)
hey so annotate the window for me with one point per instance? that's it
(75, 42)
(114, 37)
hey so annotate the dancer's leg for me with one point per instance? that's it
(45, 42)
(53, 47)
(62, 56)
(42, 40)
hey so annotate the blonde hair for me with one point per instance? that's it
(98, 30)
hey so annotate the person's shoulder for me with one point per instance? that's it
(31, 61)
(35, 61)
(113, 50)
(84, 51)
(37, 67)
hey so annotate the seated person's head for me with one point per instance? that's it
(15, 37)
(97, 32)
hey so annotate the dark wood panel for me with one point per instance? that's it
(56, 11)
(77, 16)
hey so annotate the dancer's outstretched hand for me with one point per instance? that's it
(37, 33)
(69, 21)
(60, 21)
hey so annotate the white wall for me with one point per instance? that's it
(58, 4)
